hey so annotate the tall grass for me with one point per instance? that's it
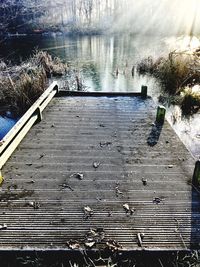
(52, 66)
(177, 73)
(19, 93)
(21, 85)
(190, 101)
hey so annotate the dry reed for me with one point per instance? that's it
(21, 85)
(177, 73)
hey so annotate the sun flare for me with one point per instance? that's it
(189, 43)
(187, 15)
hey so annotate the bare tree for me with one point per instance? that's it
(21, 15)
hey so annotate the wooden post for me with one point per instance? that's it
(39, 113)
(1, 178)
(196, 175)
(56, 89)
(133, 71)
(144, 91)
(160, 117)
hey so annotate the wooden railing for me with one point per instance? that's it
(12, 139)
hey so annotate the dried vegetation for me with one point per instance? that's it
(178, 74)
(21, 85)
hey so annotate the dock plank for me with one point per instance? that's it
(119, 133)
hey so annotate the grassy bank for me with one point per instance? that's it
(21, 85)
(179, 75)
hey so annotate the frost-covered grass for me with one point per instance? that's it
(190, 100)
(178, 74)
(21, 85)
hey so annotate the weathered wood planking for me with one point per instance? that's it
(118, 133)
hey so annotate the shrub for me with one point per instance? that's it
(174, 72)
(177, 73)
(190, 102)
(21, 85)
(52, 66)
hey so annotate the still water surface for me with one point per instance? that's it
(100, 58)
(6, 124)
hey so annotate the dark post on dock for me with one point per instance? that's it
(160, 116)
(196, 175)
(144, 89)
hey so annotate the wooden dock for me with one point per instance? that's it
(98, 173)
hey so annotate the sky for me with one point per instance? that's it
(169, 16)
(142, 16)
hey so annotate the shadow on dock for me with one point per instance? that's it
(154, 135)
(195, 216)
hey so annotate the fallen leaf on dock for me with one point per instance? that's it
(64, 186)
(144, 181)
(41, 156)
(104, 144)
(77, 175)
(157, 200)
(73, 244)
(109, 214)
(170, 166)
(113, 245)
(3, 226)
(33, 204)
(31, 182)
(119, 149)
(126, 207)
(140, 237)
(90, 244)
(92, 232)
(30, 204)
(117, 191)
(132, 211)
(88, 212)
(39, 167)
(36, 205)
(96, 165)
(96, 235)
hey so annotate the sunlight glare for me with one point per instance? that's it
(189, 10)
(188, 43)
(161, 16)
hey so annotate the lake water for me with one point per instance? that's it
(98, 58)
(105, 63)
(6, 124)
